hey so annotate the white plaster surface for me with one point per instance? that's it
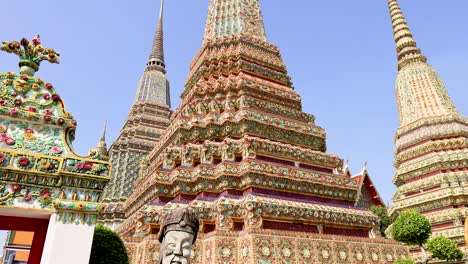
(3, 236)
(67, 243)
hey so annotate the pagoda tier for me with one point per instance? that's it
(143, 127)
(431, 153)
(241, 152)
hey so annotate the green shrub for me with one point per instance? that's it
(385, 220)
(107, 247)
(411, 228)
(444, 249)
(404, 261)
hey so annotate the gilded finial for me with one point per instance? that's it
(31, 54)
(406, 47)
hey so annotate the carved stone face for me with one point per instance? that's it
(176, 248)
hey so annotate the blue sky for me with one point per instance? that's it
(340, 55)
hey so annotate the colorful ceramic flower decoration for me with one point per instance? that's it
(31, 53)
(24, 162)
(2, 158)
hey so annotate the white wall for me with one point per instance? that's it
(67, 243)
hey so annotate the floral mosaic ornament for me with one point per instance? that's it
(38, 167)
(31, 98)
(27, 196)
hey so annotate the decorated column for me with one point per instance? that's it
(40, 175)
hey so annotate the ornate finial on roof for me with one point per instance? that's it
(156, 59)
(31, 53)
(405, 44)
(365, 166)
(233, 17)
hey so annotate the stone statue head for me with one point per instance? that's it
(178, 233)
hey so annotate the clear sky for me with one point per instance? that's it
(340, 55)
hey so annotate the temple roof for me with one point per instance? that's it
(365, 183)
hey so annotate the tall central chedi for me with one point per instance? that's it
(251, 164)
(147, 120)
(431, 142)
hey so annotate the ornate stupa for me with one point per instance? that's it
(148, 118)
(431, 154)
(244, 156)
(41, 177)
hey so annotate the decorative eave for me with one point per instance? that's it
(429, 146)
(55, 182)
(238, 176)
(402, 131)
(429, 184)
(246, 146)
(444, 197)
(431, 163)
(225, 211)
(445, 216)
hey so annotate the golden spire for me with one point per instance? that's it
(420, 92)
(406, 46)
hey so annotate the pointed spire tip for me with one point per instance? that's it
(104, 130)
(156, 58)
(407, 49)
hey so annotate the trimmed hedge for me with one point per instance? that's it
(107, 247)
(411, 228)
(404, 261)
(444, 249)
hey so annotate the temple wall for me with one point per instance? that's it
(266, 246)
